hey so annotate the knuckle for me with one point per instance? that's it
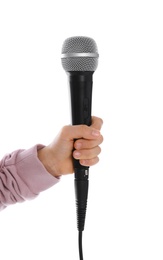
(65, 129)
(100, 120)
(99, 150)
(101, 139)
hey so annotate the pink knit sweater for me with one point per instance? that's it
(23, 177)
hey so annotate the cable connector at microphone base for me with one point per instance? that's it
(81, 191)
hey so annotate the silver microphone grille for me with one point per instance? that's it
(79, 53)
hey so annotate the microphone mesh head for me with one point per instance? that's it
(79, 54)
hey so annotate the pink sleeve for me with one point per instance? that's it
(23, 177)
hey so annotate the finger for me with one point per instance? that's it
(87, 153)
(70, 133)
(90, 162)
(97, 122)
(88, 144)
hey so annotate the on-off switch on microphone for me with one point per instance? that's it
(80, 60)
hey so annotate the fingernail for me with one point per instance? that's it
(77, 154)
(95, 133)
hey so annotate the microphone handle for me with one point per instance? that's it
(81, 103)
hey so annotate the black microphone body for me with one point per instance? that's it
(81, 96)
(81, 103)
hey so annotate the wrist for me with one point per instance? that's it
(46, 158)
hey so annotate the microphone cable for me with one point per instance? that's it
(80, 246)
(81, 191)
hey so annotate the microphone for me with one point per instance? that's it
(80, 60)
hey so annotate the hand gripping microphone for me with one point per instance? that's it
(80, 60)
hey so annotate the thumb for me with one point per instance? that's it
(70, 133)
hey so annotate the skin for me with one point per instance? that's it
(57, 156)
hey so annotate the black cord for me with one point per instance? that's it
(81, 192)
(80, 246)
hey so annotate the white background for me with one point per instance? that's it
(124, 216)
